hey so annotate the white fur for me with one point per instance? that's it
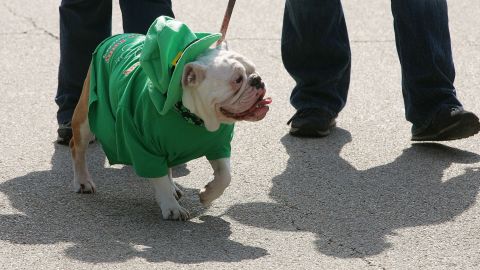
(221, 180)
(171, 209)
(208, 83)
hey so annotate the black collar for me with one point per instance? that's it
(188, 115)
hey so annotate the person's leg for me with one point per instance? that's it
(424, 49)
(83, 25)
(138, 15)
(316, 53)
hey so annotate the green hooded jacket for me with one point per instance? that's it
(125, 118)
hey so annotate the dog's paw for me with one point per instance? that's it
(87, 187)
(173, 211)
(177, 193)
(208, 195)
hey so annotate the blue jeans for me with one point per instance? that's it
(316, 53)
(83, 25)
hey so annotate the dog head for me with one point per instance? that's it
(222, 87)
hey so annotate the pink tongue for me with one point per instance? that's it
(252, 111)
(264, 101)
(258, 105)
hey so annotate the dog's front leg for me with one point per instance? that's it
(221, 180)
(171, 209)
(177, 193)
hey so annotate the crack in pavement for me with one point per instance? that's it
(21, 33)
(31, 21)
(361, 255)
(356, 252)
(367, 261)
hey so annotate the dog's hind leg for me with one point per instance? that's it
(82, 136)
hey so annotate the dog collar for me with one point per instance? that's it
(188, 115)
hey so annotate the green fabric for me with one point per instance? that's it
(169, 45)
(127, 122)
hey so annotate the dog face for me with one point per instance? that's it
(222, 87)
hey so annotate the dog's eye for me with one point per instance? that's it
(239, 80)
(237, 83)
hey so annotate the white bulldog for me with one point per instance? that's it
(220, 87)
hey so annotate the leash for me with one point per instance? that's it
(226, 20)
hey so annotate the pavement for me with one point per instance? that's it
(365, 197)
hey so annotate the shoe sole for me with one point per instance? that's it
(467, 126)
(64, 136)
(311, 133)
(63, 141)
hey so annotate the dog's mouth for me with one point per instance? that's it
(255, 113)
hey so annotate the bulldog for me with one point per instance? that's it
(160, 100)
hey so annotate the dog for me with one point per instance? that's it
(179, 104)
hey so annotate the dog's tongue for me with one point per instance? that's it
(256, 112)
(265, 101)
(258, 105)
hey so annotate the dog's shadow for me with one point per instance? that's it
(120, 222)
(352, 211)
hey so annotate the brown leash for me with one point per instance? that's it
(226, 20)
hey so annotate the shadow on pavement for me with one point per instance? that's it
(352, 211)
(120, 222)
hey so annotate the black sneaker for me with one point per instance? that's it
(312, 122)
(64, 133)
(450, 123)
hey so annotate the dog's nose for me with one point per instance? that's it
(256, 81)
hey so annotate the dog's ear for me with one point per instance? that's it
(193, 74)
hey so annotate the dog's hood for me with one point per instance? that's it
(169, 45)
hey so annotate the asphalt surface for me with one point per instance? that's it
(365, 197)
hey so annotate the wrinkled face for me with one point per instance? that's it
(227, 83)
